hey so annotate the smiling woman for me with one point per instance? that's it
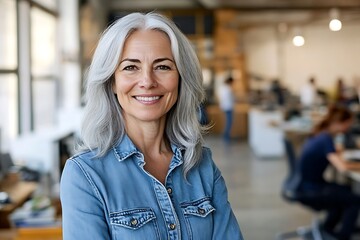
(142, 172)
(146, 81)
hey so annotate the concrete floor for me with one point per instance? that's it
(254, 191)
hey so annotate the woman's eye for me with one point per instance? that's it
(130, 68)
(163, 67)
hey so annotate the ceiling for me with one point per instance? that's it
(253, 12)
(238, 4)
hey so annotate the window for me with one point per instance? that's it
(8, 109)
(8, 39)
(8, 74)
(44, 67)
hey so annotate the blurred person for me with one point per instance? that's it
(143, 172)
(357, 90)
(226, 102)
(340, 89)
(308, 94)
(322, 97)
(354, 98)
(341, 204)
(278, 91)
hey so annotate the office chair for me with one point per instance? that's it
(289, 193)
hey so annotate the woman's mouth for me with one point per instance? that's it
(149, 99)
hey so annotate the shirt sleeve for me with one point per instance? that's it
(225, 223)
(82, 211)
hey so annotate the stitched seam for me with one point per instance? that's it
(196, 202)
(88, 178)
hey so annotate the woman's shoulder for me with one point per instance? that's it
(206, 161)
(83, 155)
(206, 153)
(88, 158)
(323, 137)
(206, 167)
(318, 141)
(206, 150)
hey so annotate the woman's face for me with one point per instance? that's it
(146, 80)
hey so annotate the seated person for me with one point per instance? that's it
(341, 204)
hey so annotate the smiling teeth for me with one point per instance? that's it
(148, 99)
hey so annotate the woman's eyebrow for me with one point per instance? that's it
(163, 59)
(130, 60)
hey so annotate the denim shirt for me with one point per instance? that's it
(113, 197)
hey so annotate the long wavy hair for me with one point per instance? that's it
(335, 114)
(103, 123)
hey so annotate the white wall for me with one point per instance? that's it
(326, 55)
(261, 52)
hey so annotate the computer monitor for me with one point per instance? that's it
(6, 163)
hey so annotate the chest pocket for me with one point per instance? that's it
(136, 223)
(133, 219)
(199, 219)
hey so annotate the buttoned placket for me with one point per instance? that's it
(168, 211)
(175, 162)
(165, 203)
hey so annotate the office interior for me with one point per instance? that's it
(46, 47)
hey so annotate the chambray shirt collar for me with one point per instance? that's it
(126, 148)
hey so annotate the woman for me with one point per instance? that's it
(144, 173)
(318, 153)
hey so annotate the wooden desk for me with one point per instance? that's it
(51, 233)
(19, 192)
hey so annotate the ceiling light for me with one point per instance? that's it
(298, 40)
(335, 24)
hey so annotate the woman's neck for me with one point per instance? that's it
(148, 137)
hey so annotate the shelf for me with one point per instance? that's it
(18, 192)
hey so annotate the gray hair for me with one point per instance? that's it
(103, 123)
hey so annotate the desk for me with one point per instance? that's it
(352, 154)
(53, 233)
(19, 192)
(354, 175)
(265, 140)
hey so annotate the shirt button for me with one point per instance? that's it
(172, 226)
(133, 222)
(169, 190)
(201, 211)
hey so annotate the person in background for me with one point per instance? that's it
(226, 102)
(143, 172)
(341, 204)
(308, 94)
(278, 91)
(340, 90)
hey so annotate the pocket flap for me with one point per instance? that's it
(133, 218)
(200, 208)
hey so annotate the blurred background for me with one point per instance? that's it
(271, 49)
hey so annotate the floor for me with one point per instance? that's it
(254, 190)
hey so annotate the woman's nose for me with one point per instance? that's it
(148, 80)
